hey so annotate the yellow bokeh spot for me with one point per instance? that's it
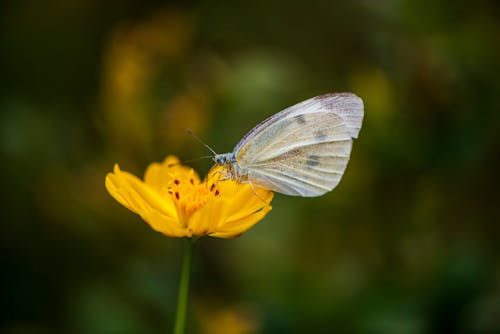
(377, 92)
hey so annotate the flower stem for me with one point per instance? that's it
(182, 299)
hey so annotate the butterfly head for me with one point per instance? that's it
(224, 159)
(233, 170)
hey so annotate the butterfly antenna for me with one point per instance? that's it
(196, 159)
(190, 132)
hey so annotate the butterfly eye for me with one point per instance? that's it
(222, 159)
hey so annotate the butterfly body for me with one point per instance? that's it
(300, 151)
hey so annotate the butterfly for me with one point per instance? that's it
(300, 151)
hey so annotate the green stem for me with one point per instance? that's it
(182, 299)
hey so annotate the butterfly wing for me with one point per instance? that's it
(302, 150)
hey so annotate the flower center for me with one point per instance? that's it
(189, 195)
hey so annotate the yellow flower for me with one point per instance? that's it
(173, 200)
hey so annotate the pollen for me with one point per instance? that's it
(188, 196)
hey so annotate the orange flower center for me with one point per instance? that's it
(189, 196)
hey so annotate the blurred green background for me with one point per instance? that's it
(408, 242)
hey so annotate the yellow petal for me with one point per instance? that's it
(137, 196)
(164, 224)
(156, 176)
(236, 208)
(160, 175)
(236, 228)
(244, 200)
(112, 185)
(205, 220)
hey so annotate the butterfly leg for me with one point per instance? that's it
(225, 176)
(253, 189)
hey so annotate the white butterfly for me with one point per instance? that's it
(300, 151)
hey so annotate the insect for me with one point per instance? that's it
(300, 151)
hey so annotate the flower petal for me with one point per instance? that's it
(165, 225)
(156, 176)
(112, 184)
(234, 210)
(236, 228)
(140, 198)
(206, 219)
(244, 199)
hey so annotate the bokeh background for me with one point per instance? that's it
(407, 243)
